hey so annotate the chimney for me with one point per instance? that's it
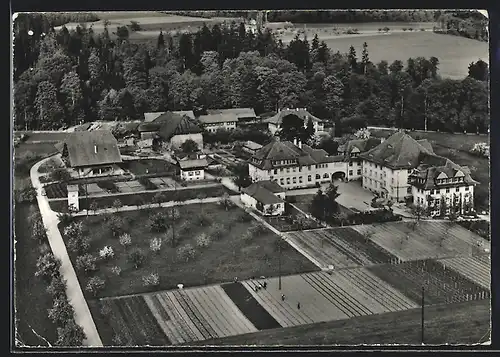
(95, 149)
(295, 141)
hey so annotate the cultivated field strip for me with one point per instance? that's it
(196, 314)
(470, 267)
(427, 240)
(389, 298)
(323, 251)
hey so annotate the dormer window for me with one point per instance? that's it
(95, 149)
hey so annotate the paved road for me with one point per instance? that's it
(83, 317)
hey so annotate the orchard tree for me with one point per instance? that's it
(70, 334)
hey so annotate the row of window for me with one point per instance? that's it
(196, 173)
(450, 180)
(447, 190)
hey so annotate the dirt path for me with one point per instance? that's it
(83, 317)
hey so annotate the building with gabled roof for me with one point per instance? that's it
(214, 122)
(193, 169)
(274, 122)
(242, 114)
(293, 165)
(265, 196)
(91, 153)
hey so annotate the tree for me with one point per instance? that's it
(309, 130)
(61, 312)
(86, 263)
(292, 128)
(47, 266)
(48, 110)
(189, 146)
(93, 206)
(341, 217)
(329, 145)
(334, 90)
(479, 70)
(331, 195)
(60, 174)
(318, 205)
(122, 32)
(365, 60)
(160, 43)
(57, 287)
(117, 204)
(352, 59)
(241, 176)
(73, 97)
(70, 334)
(136, 257)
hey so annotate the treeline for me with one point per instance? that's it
(465, 23)
(77, 76)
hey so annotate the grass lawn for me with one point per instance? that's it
(456, 148)
(31, 298)
(230, 255)
(142, 198)
(461, 323)
(148, 166)
(481, 227)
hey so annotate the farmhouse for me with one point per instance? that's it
(91, 153)
(265, 196)
(401, 167)
(176, 129)
(251, 147)
(274, 122)
(243, 114)
(193, 169)
(293, 165)
(214, 122)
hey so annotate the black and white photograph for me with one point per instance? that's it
(250, 178)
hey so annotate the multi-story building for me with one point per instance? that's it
(294, 165)
(351, 151)
(401, 167)
(274, 122)
(214, 122)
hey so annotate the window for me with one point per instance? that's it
(408, 189)
(447, 190)
(288, 180)
(309, 178)
(359, 172)
(300, 168)
(287, 170)
(350, 172)
(457, 189)
(281, 170)
(365, 170)
(294, 169)
(432, 192)
(190, 173)
(467, 188)
(300, 179)
(350, 163)
(275, 171)
(392, 179)
(370, 172)
(371, 181)
(269, 172)
(309, 167)
(271, 178)
(325, 175)
(318, 177)
(197, 172)
(294, 180)
(282, 181)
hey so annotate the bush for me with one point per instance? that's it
(60, 174)
(174, 214)
(93, 206)
(244, 217)
(203, 240)
(73, 230)
(257, 229)
(201, 220)
(136, 257)
(70, 334)
(61, 312)
(225, 202)
(117, 204)
(38, 231)
(79, 245)
(65, 218)
(125, 240)
(217, 231)
(27, 194)
(155, 244)
(105, 310)
(158, 223)
(109, 186)
(116, 270)
(106, 253)
(148, 185)
(86, 262)
(152, 279)
(186, 253)
(134, 26)
(94, 285)
(57, 287)
(47, 266)
(117, 225)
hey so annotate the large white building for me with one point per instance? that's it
(401, 167)
(295, 166)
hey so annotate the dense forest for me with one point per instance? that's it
(66, 77)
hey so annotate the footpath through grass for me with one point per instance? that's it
(461, 323)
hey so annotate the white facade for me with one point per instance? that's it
(318, 127)
(73, 200)
(294, 177)
(385, 181)
(96, 171)
(213, 127)
(459, 197)
(178, 140)
(268, 209)
(193, 174)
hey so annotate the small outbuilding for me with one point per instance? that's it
(193, 169)
(267, 197)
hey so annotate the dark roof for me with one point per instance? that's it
(426, 144)
(300, 112)
(271, 186)
(431, 166)
(239, 112)
(399, 151)
(175, 124)
(82, 148)
(193, 164)
(262, 194)
(284, 150)
(148, 127)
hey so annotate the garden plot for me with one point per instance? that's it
(441, 285)
(183, 316)
(163, 182)
(93, 189)
(426, 240)
(129, 186)
(474, 268)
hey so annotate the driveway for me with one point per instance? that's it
(83, 317)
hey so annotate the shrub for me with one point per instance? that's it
(134, 26)
(158, 223)
(93, 206)
(86, 262)
(57, 286)
(116, 270)
(65, 218)
(73, 230)
(27, 194)
(117, 225)
(61, 312)
(225, 202)
(203, 240)
(155, 244)
(94, 285)
(108, 186)
(244, 217)
(136, 257)
(60, 174)
(256, 229)
(174, 214)
(70, 334)
(170, 238)
(218, 231)
(202, 220)
(38, 231)
(148, 185)
(125, 240)
(79, 245)
(404, 29)
(105, 310)
(47, 266)
(186, 253)
(106, 253)
(117, 204)
(152, 279)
